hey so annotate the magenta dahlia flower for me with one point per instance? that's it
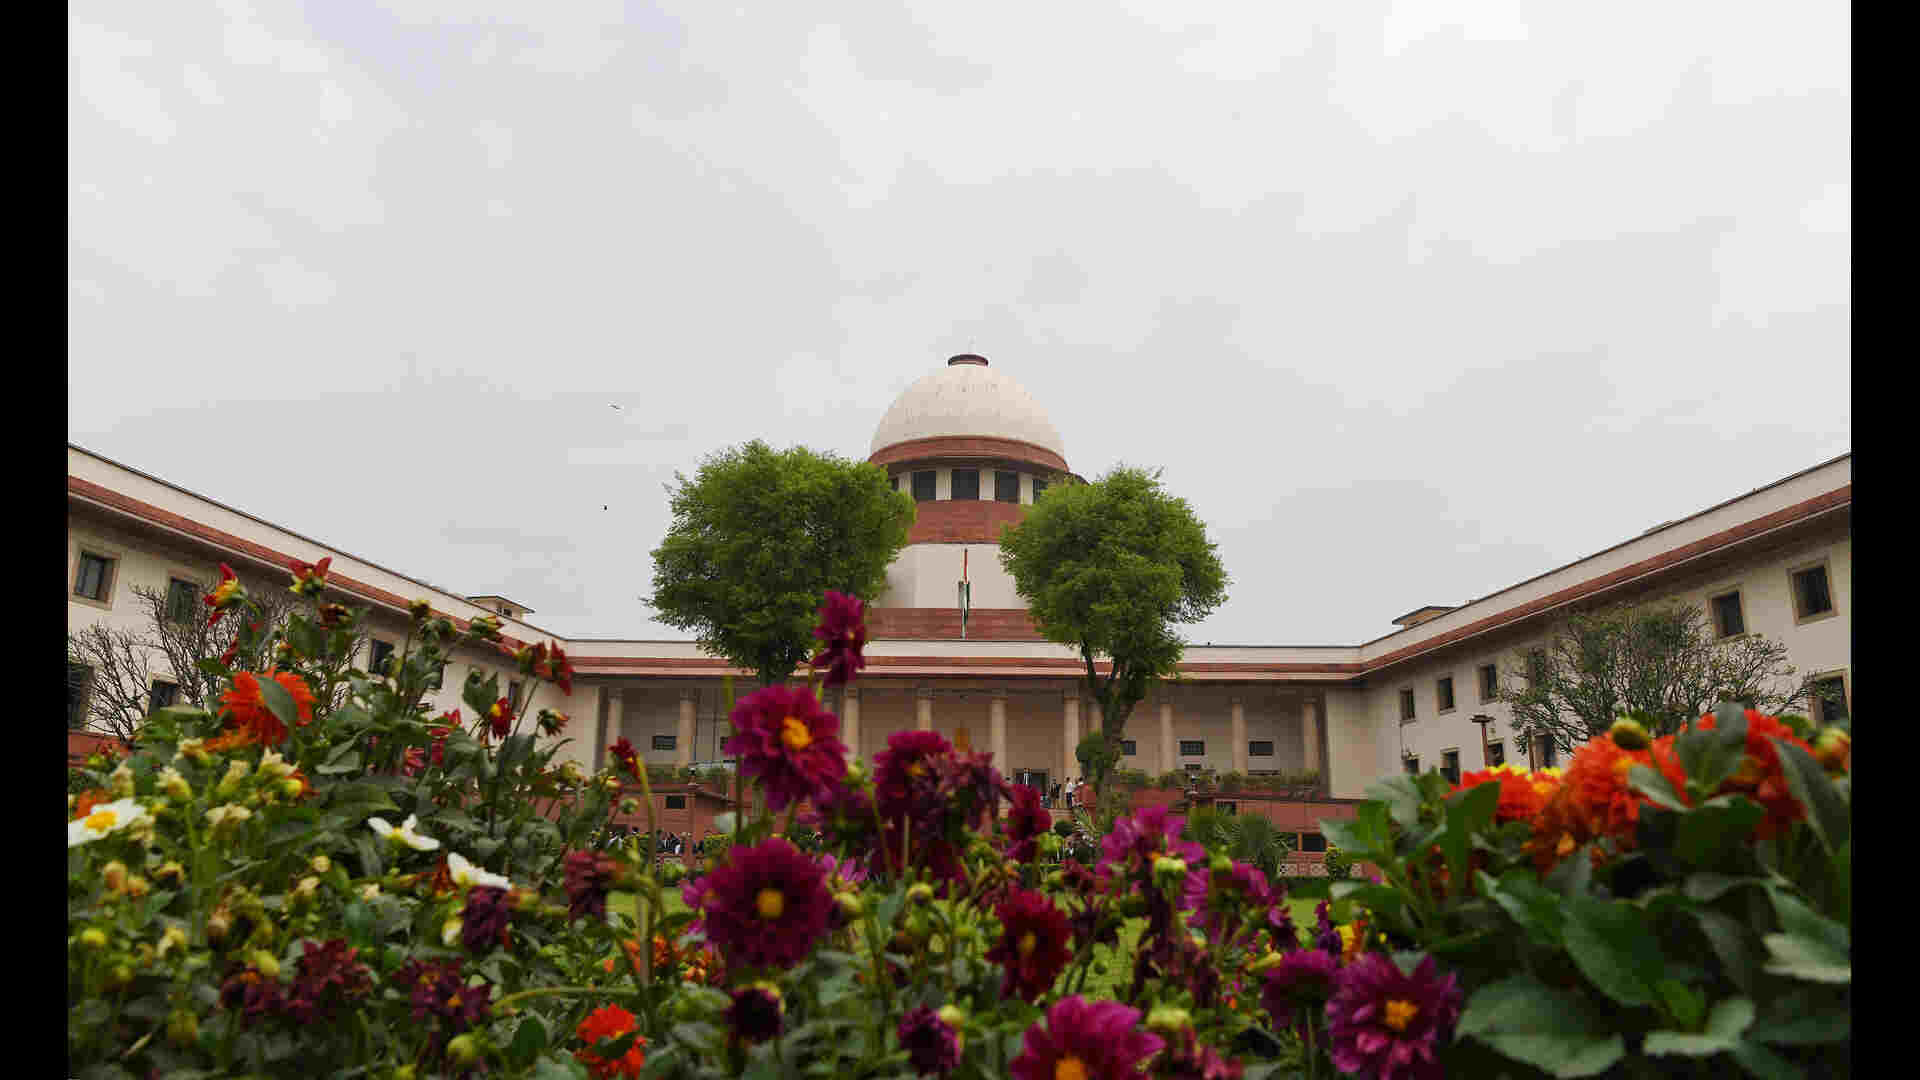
(1228, 908)
(1187, 1058)
(1093, 1040)
(1389, 1024)
(1025, 822)
(766, 905)
(589, 875)
(930, 1042)
(1036, 943)
(843, 629)
(1299, 987)
(918, 822)
(789, 744)
(1134, 842)
(757, 1012)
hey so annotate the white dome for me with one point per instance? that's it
(967, 398)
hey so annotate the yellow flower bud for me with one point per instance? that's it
(321, 864)
(1628, 734)
(1168, 1020)
(172, 938)
(93, 938)
(266, 963)
(920, 893)
(115, 875)
(138, 887)
(183, 1028)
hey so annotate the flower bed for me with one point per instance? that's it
(284, 889)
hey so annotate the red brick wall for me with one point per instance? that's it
(957, 521)
(986, 624)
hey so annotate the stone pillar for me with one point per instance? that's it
(616, 725)
(1070, 734)
(585, 748)
(1310, 732)
(1170, 760)
(683, 739)
(850, 720)
(997, 729)
(923, 709)
(1239, 737)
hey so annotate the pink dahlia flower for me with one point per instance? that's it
(1386, 1023)
(766, 906)
(789, 744)
(1096, 1040)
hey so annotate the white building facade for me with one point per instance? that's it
(975, 449)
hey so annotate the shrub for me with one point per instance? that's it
(1337, 864)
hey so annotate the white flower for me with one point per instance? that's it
(273, 766)
(106, 818)
(121, 780)
(466, 875)
(370, 890)
(404, 835)
(231, 812)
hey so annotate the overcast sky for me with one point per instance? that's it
(1411, 301)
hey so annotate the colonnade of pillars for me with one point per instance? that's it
(997, 726)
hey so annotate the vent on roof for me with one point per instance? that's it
(1420, 615)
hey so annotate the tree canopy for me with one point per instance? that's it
(1661, 661)
(758, 537)
(1111, 568)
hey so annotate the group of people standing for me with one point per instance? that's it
(1069, 792)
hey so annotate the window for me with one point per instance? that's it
(1536, 667)
(1413, 764)
(1128, 748)
(1443, 692)
(1728, 619)
(1006, 486)
(1260, 748)
(1496, 754)
(1450, 765)
(183, 600)
(1489, 682)
(665, 742)
(1812, 597)
(377, 656)
(676, 802)
(513, 695)
(1192, 747)
(965, 484)
(1194, 768)
(94, 578)
(896, 481)
(1406, 705)
(1039, 488)
(1312, 841)
(162, 695)
(1549, 754)
(79, 681)
(923, 486)
(1830, 700)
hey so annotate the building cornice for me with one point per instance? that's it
(969, 448)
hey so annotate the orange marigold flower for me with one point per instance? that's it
(88, 800)
(609, 1022)
(1520, 798)
(1596, 784)
(230, 740)
(1759, 776)
(250, 712)
(309, 579)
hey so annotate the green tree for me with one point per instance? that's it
(1110, 568)
(759, 536)
(1661, 661)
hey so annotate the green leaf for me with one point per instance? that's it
(1764, 1063)
(1709, 757)
(1573, 875)
(1468, 813)
(560, 1070)
(1550, 1029)
(698, 1034)
(1724, 1025)
(1531, 904)
(1827, 813)
(1733, 943)
(1683, 1003)
(359, 920)
(1709, 831)
(1648, 781)
(1805, 958)
(1614, 948)
(1805, 1017)
(279, 702)
(1707, 886)
(348, 762)
(1403, 799)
